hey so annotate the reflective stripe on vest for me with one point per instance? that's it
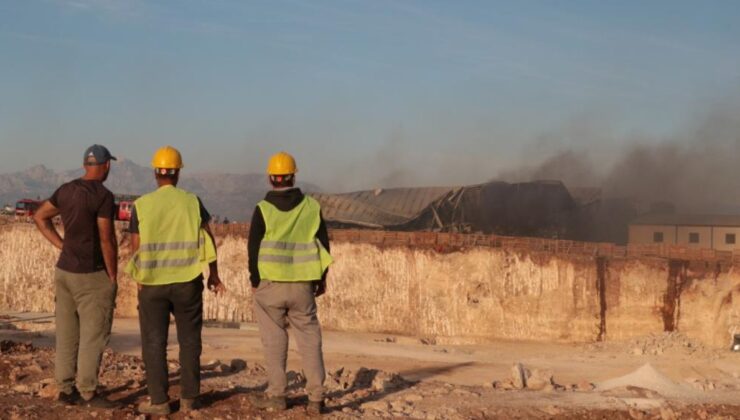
(183, 262)
(173, 248)
(289, 251)
(291, 259)
(287, 246)
(163, 246)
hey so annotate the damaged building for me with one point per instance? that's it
(539, 209)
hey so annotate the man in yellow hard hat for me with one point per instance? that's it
(288, 260)
(171, 243)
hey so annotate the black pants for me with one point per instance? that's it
(185, 301)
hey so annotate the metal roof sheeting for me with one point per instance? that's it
(381, 207)
(540, 208)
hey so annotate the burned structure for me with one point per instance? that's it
(540, 209)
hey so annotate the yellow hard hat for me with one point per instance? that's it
(281, 164)
(167, 158)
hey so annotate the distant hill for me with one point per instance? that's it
(230, 195)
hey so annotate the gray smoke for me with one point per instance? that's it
(697, 170)
(573, 168)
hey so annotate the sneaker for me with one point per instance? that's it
(189, 404)
(315, 408)
(97, 401)
(70, 398)
(147, 407)
(266, 402)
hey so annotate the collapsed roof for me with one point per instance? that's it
(541, 208)
(380, 208)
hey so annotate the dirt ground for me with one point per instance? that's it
(381, 376)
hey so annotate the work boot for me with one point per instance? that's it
(95, 400)
(70, 398)
(189, 404)
(315, 408)
(147, 407)
(266, 402)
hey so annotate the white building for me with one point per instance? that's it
(720, 232)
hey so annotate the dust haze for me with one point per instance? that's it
(697, 170)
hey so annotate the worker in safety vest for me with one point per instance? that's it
(170, 245)
(288, 260)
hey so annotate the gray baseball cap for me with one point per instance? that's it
(97, 155)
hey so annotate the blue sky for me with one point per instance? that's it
(362, 92)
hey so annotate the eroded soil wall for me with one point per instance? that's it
(470, 293)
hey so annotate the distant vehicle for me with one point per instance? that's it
(26, 208)
(124, 204)
(8, 210)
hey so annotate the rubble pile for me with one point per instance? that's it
(27, 390)
(657, 344)
(648, 378)
(667, 342)
(533, 380)
(372, 379)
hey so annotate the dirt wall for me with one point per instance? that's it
(466, 293)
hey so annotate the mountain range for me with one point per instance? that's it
(224, 195)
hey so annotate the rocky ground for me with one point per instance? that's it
(27, 391)
(375, 376)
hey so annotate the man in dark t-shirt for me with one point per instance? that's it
(81, 202)
(85, 277)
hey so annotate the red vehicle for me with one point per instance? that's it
(124, 205)
(26, 208)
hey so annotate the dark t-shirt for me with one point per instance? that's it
(133, 226)
(81, 203)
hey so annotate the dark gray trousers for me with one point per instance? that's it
(185, 302)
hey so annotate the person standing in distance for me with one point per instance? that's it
(170, 244)
(85, 277)
(289, 256)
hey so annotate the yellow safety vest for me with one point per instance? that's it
(173, 248)
(289, 251)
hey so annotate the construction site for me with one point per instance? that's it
(427, 325)
(451, 210)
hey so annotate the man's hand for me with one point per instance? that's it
(215, 285)
(319, 288)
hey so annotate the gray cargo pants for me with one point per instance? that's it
(84, 316)
(276, 303)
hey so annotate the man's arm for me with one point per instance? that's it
(109, 246)
(214, 281)
(256, 233)
(43, 221)
(133, 230)
(134, 246)
(323, 236)
(107, 232)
